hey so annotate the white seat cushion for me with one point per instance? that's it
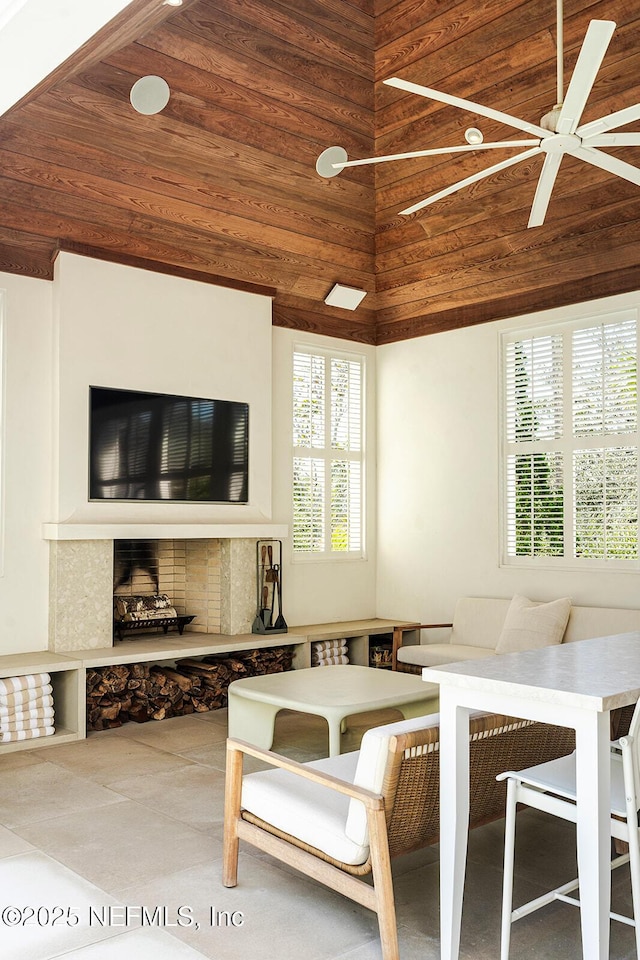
(435, 654)
(559, 777)
(314, 814)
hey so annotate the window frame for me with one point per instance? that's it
(325, 454)
(567, 445)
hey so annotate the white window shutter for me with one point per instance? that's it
(328, 451)
(571, 442)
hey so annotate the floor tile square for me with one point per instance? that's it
(107, 759)
(46, 908)
(121, 844)
(192, 794)
(41, 791)
(137, 945)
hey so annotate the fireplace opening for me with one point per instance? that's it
(135, 567)
(169, 578)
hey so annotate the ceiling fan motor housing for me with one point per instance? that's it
(550, 120)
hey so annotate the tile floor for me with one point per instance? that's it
(94, 831)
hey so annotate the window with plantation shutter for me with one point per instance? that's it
(571, 443)
(328, 452)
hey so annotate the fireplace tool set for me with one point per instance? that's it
(269, 617)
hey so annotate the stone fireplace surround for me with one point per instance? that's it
(81, 610)
(212, 577)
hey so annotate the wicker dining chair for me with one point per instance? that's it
(342, 819)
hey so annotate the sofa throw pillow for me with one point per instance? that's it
(529, 625)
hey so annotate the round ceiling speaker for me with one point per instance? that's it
(150, 95)
(324, 163)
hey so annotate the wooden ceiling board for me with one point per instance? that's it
(213, 160)
(221, 185)
(498, 308)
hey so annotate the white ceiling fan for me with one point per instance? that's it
(559, 131)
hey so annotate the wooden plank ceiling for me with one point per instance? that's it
(221, 185)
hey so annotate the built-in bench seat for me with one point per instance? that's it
(486, 626)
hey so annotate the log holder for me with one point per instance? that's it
(120, 627)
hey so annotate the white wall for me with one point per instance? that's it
(321, 590)
(26, 456)
(439, 479)
(117, 326)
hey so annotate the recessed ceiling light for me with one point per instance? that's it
(171, 3)
(473, 135)
(346, 297)
(150, 95)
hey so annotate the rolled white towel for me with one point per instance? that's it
(336, 652)
(13, 735)
(27, 709)
(331, 660)
(7, 726)
(330, 646)
(25, 696)
(20, 722)
(27, 682)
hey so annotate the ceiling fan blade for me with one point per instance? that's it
(465, 148)
(617, 119)
(594, 47)
(612, 140)
(546, 182)
(469, 180)
(611, 164)
(482, 111)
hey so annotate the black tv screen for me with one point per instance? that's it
(154, 446)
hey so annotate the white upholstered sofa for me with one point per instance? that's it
(486, 626)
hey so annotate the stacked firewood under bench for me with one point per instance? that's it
(139, 692)
(69, 670)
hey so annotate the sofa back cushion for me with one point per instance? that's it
(587, 622)
(477, 621)
(530, 625)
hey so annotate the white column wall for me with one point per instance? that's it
(117, 326)
(321, 590)
(439, 479)
(25, 451)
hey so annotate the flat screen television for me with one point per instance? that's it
(155, 446)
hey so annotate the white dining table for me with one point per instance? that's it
(573, 685)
